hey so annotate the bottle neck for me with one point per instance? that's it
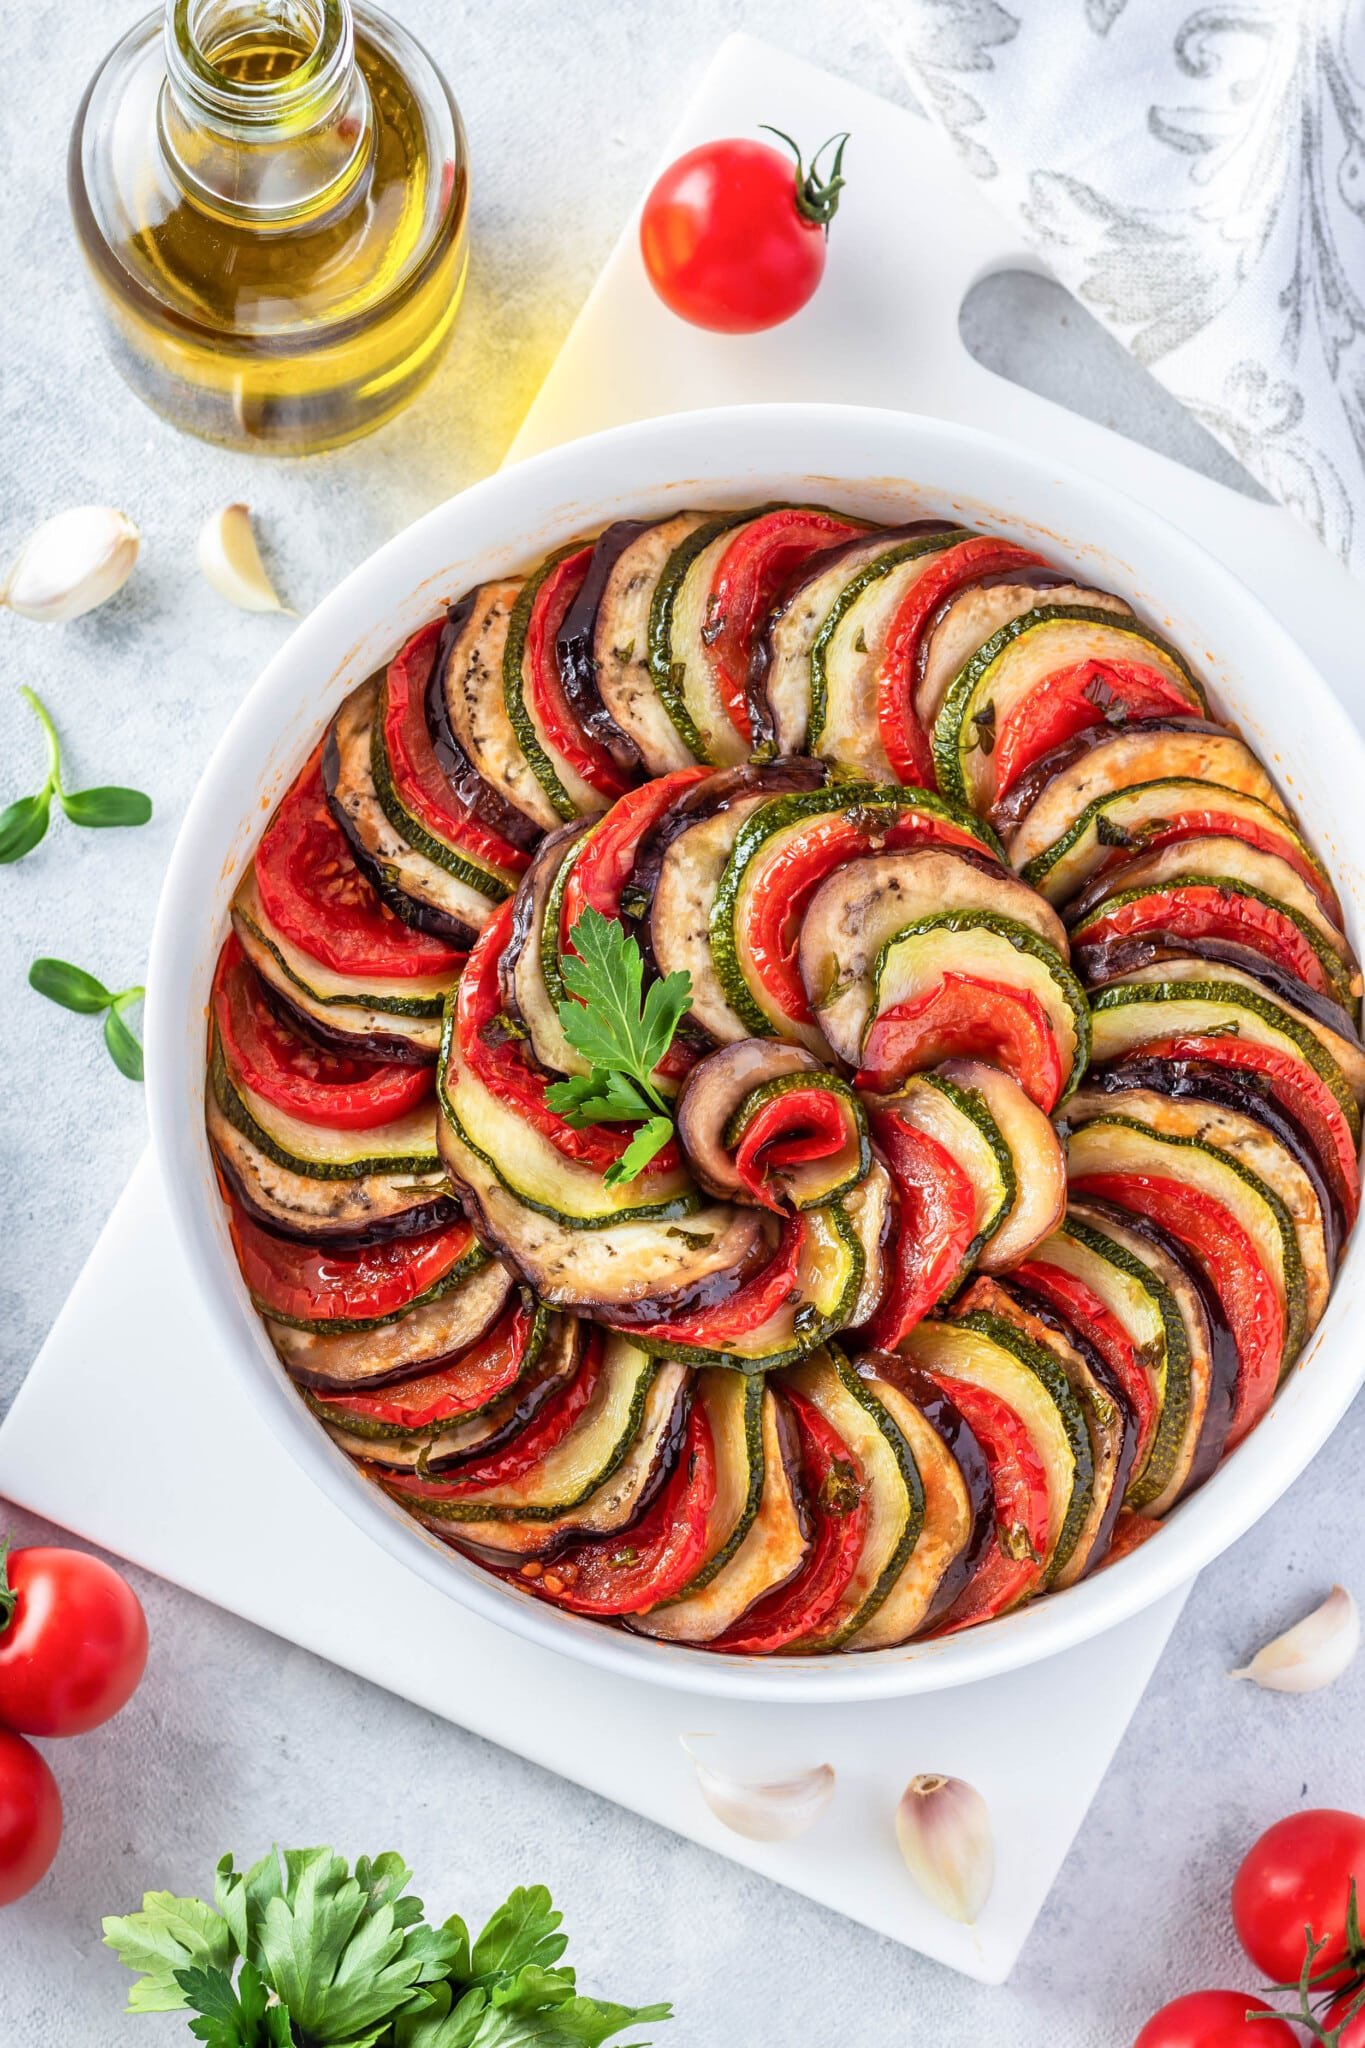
(265, 115)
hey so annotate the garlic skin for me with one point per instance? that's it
(765, 1810)
(72, 563)
(944, 1829)
(231, 561)
(1313, 1653)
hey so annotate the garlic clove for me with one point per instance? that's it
(73, 562)
(231, 561)
(765, 1809)
(1313, 1653)
(944, 1829)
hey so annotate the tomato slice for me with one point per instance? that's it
(775, 906)
(508, 1069)
(335, 1089)
(1071, 699)
(1082, 1307)
(550, 1425)
(934, 1225)
(962, 1018)
(603, 864)
(903, 737)
(551, 707)
(796, 1126)
(1012, 1567)
(417, 774)
(764, 556)
(653, 1559)
(1189, 910)
(749, 1306)
(1303, 1094)
(1131, 1531)
(1205, 824)
(308, 1283)
(316, 895)
(1228, 1257)
(833, 1485)
(465, 1384)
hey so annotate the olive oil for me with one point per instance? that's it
(272, 199)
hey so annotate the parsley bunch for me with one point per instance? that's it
(623, 1030)
(299, 1952)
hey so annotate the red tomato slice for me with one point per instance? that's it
(508, 1069)
(307, 1283)
(1187, 910)
(316, 895)
(604, 861)
(902, 735)
(652, 1560)
(1218, 824)
(1071, 699)
(749, 1306)
(553, 712)
(467, 1383)
(833, 1485)
(961, 1018)
(775, 906)
(751, 574)
(935, 1223)
(1294, 1085)
(1226, 1254)
(1083, 1308)
(549, 1427)
(1131, 1531)
(417, 775)
(273, 1059)
(796, 1126)
(1012, 1567)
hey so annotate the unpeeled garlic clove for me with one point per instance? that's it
(74, 561)
(766, 1809)
(1313, 1653)
(944, 1829)
(231, 561)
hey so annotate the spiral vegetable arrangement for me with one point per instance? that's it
(786, 1083)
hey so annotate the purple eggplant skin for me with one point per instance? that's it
(761, 723)
(373, 1045)
(423, 1216)
(423, 917)
(952, 1428)
(469, 789)
(1248, 1094)
(576, 647)
(528, 905)
(1112, 1386)
(1117, 959)
(1008, 814)
(1225, 1362)
(1022, 578)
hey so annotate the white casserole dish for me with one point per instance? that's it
(889, 466)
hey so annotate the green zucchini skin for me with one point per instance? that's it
(664, 668)
(514, 688)
(241, 1119)
(871, 572)
(847, 1176)
(464, 868)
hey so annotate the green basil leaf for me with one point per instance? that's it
(111, 806)
(124, 1049)
(70, 986)
(22, 825)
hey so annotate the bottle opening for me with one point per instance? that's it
(255, 63)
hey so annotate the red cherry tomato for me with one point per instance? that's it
(733, 236)
(1215, 2019)
(1299, 1875)
(30, 1817)
(73, 1642)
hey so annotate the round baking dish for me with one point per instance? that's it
(890, 466)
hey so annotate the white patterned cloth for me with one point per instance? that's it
(1196, 176)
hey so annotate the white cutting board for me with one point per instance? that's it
(131, 1429)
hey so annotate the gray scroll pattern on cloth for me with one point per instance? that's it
(1196, 175)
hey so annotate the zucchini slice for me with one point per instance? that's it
(407, 1145)
(565, 790)
(472, 696)
(804, 1183)
(621, 643)
(522, 969)
(1037, 1202)
(973, 615)
(678, 622)
(1016, 665)
(893, 1491)
(862, 906)
(959, 1117)
(987, 1351)
(1052, 795)
(757, 1541)
(680, 913)
(356, 1362)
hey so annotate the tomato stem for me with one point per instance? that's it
(817, 198)
(9, 1599)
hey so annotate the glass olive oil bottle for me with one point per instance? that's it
(272, 198)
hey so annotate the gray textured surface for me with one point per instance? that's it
(235, 1737)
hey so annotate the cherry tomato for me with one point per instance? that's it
(733, 236)
(30, 1817)
(1299, 1875)
(1214, 2019)
(73, 1641)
